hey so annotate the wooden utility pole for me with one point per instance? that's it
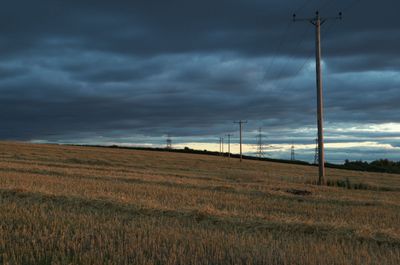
(317, 21)
(229, 144)
(240, 132)
(222, 143)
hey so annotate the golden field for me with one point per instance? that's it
(86, 205)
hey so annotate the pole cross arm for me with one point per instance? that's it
(240, 122)
(313, 20)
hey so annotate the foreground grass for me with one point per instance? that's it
(74, 205)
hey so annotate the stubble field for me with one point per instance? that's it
(81, 205)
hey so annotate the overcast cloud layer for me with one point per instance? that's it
(129, 72)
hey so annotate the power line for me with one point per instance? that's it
(280, 44)
(291, 80)
(325, 30)
(299, 43)
(277, 50)
(324, 5)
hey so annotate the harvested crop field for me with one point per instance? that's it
(86, 205)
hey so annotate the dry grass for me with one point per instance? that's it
(75, 205)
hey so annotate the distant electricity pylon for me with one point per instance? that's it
(292, 153)
(169, 142)
(221, 146)
(260, 143)
(316, 152)
(240, 133)
(229, 144)
(317, 21)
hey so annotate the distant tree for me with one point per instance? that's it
(381, 165)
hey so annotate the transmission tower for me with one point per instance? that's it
(169, 142)
(292, 153)
(260, 143)
(317, 21)
(240, 130)
(316, 152)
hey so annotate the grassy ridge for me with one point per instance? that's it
(76, 205)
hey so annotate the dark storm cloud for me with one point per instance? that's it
(364, 64)
(11, 72)
(103, 68)
(154, 27)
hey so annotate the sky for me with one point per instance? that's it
(131, 72)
